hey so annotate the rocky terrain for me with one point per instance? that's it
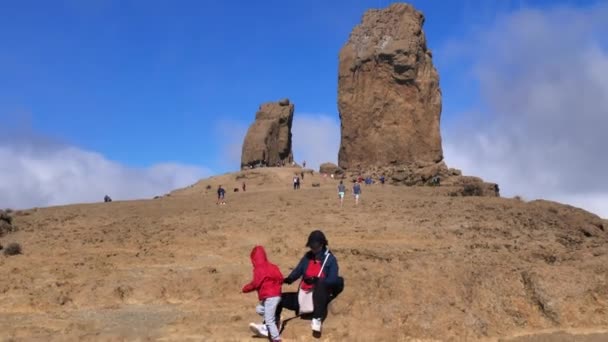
(268, 140)
(419, 265)
(388, 92)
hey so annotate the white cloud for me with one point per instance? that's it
(544, 91)
(38, 173)
(230, 137)
(316, 139)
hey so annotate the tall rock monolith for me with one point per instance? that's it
(388, 93)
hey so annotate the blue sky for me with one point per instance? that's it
(148, 81)
(142, 83)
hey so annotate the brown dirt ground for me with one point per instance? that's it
(419, 265)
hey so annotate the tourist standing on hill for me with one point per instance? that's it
(244, 187)
(341, 192)
(382, 179)
(357, 192)
(221, 193)
(318, 270)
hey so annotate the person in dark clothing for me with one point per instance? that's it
(221, 193)
(319, 272)
(357, 192)
(296, 182)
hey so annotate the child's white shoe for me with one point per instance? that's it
(259, 329)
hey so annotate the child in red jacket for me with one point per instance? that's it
(267, 280)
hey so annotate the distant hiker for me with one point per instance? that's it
(320, 283)
(341, 192)
(302, 174)
(357, 192)
(244, 187)
(221, 193)
(107, 199)
(267, 281)
(304, 164)
(382, 179)
(296, 182)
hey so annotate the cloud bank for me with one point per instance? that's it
(230, 137)
(540, 126)
(316, 139)
(36, 173)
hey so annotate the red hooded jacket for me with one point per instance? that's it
(267, 278)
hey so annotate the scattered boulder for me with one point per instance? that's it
(268, 140)
(6, 217)
(5, 228)
(6, 223)
(330, 168)
(388, 93)
(12, 249)
(472, 186)
(455, 172)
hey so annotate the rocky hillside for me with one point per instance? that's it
(418, 264)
